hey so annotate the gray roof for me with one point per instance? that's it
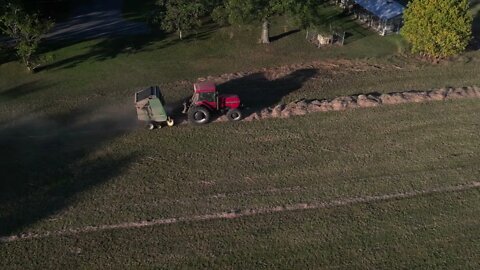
(384, 9)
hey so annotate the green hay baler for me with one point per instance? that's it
(150, 108)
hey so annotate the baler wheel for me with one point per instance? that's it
(170, 122)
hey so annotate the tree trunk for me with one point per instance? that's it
(180, 33)
(265, 32)
(28, 65)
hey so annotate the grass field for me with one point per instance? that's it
(417, 233)
(174, 173)
(74, 156)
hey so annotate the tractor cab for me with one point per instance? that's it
(206, 94)
(207, 100)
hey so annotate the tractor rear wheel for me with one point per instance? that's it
(234, 115)
(198, 115)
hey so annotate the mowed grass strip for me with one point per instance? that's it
(242, 213)
(435, 231)
(221, 167)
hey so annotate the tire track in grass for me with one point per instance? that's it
(243, 213)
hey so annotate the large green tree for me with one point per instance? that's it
(437, 28)
(179, 15)
(249, 11)
(303, 12)
(26, 30)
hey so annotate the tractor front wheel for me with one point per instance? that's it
(198, 115)
(234, 115)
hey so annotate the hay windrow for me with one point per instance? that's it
(303, 107)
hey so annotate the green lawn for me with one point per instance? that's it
(73, 155)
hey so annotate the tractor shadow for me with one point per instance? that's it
(257, 92)
(48, 160)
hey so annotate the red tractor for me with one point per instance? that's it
(206, 100)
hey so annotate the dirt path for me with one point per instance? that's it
(243, 213)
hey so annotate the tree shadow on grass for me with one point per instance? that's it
(257, 92)
(46, 161)
(111, 48)
(194, 36)
(475, 44)
(282, 35)
(22, 90)
(103, 50)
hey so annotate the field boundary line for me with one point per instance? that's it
(242, 213)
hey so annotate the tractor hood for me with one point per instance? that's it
(231, 101)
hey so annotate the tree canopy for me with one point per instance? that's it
(437, 28)
(179, 15)
(238, 12)
(26, 30)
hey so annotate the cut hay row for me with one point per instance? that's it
(342, 103)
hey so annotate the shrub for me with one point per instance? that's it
(437, 28)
